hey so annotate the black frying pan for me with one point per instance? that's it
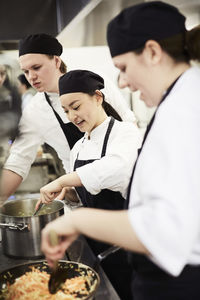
(72, 268)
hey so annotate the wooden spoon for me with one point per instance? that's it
(58, 276)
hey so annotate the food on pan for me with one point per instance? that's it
(34, 285)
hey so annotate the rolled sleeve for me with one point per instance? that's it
(112, 171)
(167, 238)
(164, 201)
(18, 165)
(23, 152)
(24, 149)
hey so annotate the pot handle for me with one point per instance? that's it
(20, 226)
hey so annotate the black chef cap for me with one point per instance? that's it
(40, 43)
(80, 81)
(135, 25)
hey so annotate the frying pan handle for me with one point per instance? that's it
(101, 256)
(107, 252)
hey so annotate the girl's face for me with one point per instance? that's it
(83, 110)
(41, 71)
(137, 73)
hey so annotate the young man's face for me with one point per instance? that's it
(41, 71)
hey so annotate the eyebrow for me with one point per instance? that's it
(71, 103)
(35, 65)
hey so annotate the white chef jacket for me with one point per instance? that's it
(39, 125)
(164, 207)
(113, 171)
(26, 97)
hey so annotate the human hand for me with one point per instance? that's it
(71, 195)
(61, 196)
(67, 233)
(50, 191)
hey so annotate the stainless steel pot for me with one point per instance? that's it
(21, 231)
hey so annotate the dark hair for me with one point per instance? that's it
(182, 47)
(109, 110)
(23, 80)
(7, 82)
(63, 67)
(10, 106)
(10, 111)
(193, 43)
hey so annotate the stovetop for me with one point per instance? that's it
(79, 251)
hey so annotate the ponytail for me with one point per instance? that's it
(182, 47)
(110, 111)
(193, 43)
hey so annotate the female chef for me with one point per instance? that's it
(43, 120)
(152, 49)
(102, 160)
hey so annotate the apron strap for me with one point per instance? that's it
(71, 132)
(111, 123)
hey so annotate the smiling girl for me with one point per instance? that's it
(101, 162)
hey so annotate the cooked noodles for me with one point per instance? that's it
(34, 286)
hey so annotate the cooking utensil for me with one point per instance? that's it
(73, 269)
(58, 275)
(101, 256)
(21, 231)
(38, 209)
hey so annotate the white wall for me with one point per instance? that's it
(92, 58)
(98, 59)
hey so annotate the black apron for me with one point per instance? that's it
(71, 132)
(152, 283)
(116, 266)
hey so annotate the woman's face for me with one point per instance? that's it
(41, 71)
(136, 73)
(83, 110)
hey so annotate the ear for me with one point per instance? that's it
(99, 97)
(153, 52)
(57, 61)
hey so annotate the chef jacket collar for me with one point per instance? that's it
(166, 93)
(54, 97)
(96, 133)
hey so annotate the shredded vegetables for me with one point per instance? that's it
(34, 286)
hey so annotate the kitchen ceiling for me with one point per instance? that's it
(74, 22)
(19, 18)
